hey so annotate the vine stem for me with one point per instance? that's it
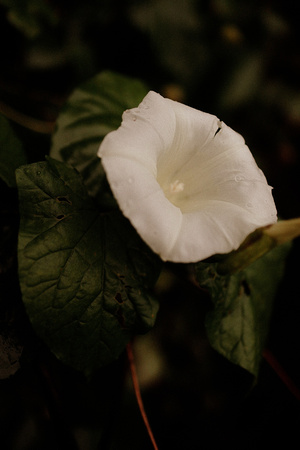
(39, 126)
(272, 361)
(137, 391)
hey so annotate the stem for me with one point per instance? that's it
(137, 391)
(39, 126)
(272, 361)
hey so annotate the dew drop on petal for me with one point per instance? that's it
(238, 178)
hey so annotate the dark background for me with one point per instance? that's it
(239, 60)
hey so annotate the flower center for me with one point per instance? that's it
(172, 192)
(176, 187)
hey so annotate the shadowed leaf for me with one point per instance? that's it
(93, 110)
(238, 326)
(84, 275)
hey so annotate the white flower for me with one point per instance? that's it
(185, 180)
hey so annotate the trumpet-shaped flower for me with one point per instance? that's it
(186, 181)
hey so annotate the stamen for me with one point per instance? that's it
(177, 186)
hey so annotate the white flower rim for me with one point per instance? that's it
(186, 181)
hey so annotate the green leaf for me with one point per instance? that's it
(10, 353)
(252, 248)
(93, 110)
(11, 153)
(85, 276)
(30, 16)
(238, 326)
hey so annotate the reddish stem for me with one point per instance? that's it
(137, 391)
(272, 361)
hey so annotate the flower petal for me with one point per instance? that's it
(142, 201)
(144, 133)
(185, 180)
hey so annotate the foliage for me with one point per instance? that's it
(30, 16)
(12, 154)
(93, 110)
(236, 59)
(84, 274)
(83, 270)
(238, 326)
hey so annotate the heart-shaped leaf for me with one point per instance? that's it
(93, 110)
(238, 325)
(85, 275)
